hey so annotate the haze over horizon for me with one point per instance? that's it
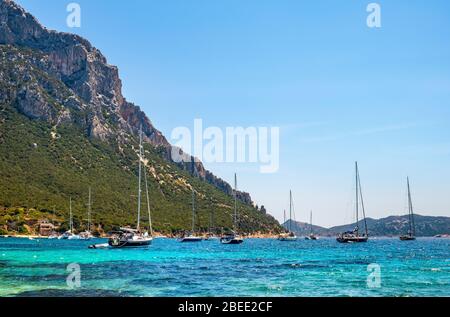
(339, 91)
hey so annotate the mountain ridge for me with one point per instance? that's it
(84, 69)
(426, 226)
(65, 125)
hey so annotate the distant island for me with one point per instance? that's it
(426, 226)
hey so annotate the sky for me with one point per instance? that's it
(338, 90)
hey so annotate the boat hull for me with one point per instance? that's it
(287, 239)
(130, 243)
(352, 239)
(99, 246)
(190, 239)
(231, 240)
(407, 238)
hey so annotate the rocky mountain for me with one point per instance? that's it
(95, 85)
(426, 226)
(60, 90)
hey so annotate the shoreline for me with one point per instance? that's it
(254, 236)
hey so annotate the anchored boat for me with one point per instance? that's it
(127, 237)
(290, 235)
(355, 236)
(54, 235)
(69, 235)
(190, 236)
(233, 237)
(411, 234)
(311, 235)
(87, 235)
(211, 235)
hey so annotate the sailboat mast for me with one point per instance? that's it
(310, 223)
(290, 211)
(210, 221)
(213, 215)
(412, 228)
(362, 205)
(139, 186)
(70, 215)
(148, 205)
(235, 203)
(357, 198)
(212, 224)
(89, 211)
(193, 210)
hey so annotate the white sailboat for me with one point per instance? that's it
(211, 235)
(190, 236)
(288, 236)
(355, 235)
(233, 237)
(87, 235)
(69, 235)
(127, 237)
(411, 234)
(311, 235)
(54, 235)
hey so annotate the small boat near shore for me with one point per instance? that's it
(87, 235)
(54, 235)
(211, 234)
(231, 238)
(287, 237)
(190, 238)
(69, 235)
(99, 246)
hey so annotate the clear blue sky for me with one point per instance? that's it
(339, 91)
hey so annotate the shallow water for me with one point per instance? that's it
(259, 267)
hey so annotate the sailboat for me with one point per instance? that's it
(411, 234)
(69, 235)
(127, 237)
(87, 235)
(191, 237)
(284, 223)
(233, 237)
(289, 236)
(355, 235)
(311, 236)
(211, 232)
(53, 235)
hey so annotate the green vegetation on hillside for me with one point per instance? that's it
(42, 166)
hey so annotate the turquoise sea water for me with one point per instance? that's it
(259, 267)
